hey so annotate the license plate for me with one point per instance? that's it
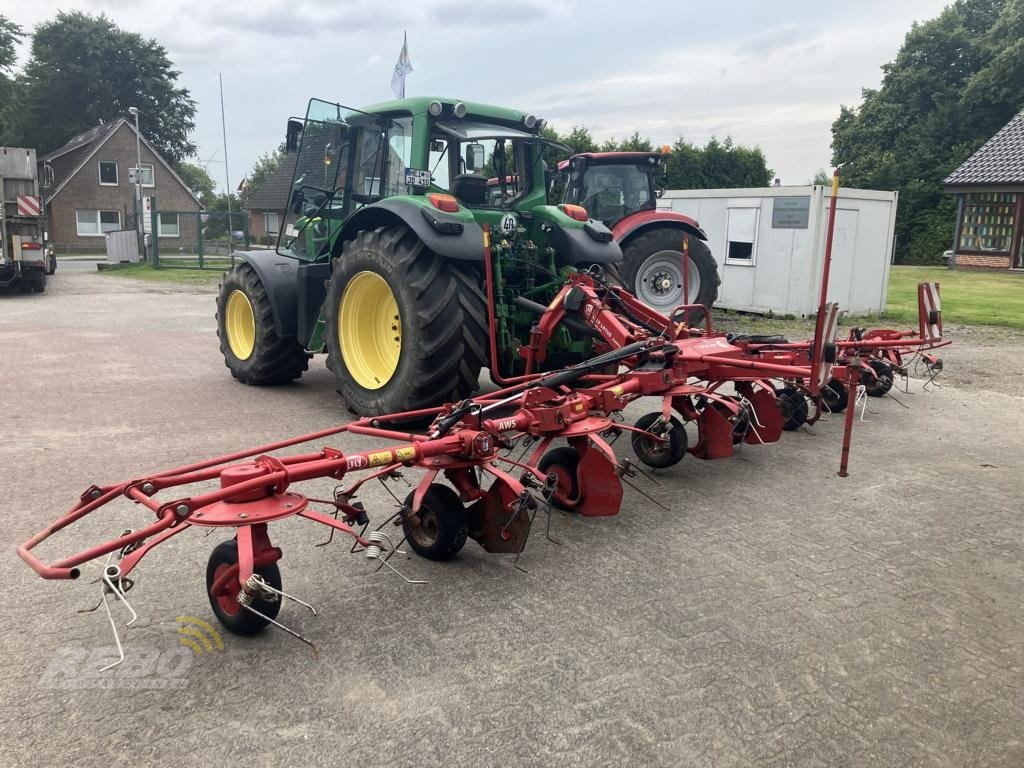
(414, 177)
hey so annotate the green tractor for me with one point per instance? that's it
(381, 261)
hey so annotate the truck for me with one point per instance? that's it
(25, 256)
(400, 262)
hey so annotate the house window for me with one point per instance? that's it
(95, 223)
(108, 173)
(742, 235)
(272, 223)
(988, 222)
(168, 225)
(147, 174)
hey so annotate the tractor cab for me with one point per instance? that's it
(611, 185)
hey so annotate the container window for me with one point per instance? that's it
(742, 235)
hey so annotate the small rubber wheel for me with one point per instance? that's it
(563, 463)
(794, 408)
(881, 383)
(443, 527)
(740, 426)
(233, 616)
(659, 454)
(834, 396)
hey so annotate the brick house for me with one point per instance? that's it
(990, 211)
(267, 202)
(91, 193)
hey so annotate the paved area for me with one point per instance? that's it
(775, 615)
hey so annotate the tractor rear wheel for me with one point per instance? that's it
(652, 269)
(406, 328)
(252, 350)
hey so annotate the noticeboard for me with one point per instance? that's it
(791, 212)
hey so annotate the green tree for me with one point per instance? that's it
(716, 165)
(956, 80)
(266, 164)
(84, 70)
(10, 34)
(822, 178)
(198, 180)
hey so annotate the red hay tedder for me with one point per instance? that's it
(733, 389)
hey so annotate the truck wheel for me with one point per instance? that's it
(252, 351)
(652, 269)
(38, 284)
(406, 328)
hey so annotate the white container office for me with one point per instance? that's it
(769, 244)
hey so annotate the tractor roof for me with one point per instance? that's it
(613, 158)
(416, 105)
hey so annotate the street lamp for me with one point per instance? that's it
(134, 111)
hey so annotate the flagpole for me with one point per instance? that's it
(405, 55)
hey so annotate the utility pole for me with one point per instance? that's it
(227, 173)
(139, 226)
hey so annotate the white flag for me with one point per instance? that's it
(403, 67)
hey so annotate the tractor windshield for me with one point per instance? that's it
(345, 159)
(609, 192)
(482, 164)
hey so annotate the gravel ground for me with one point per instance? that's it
(772, 614)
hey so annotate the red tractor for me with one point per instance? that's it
(619, 189)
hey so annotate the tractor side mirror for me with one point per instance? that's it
(298, 197)
(474, 157)
(291, 141)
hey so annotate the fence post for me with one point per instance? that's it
(199, 236)
(154, 221)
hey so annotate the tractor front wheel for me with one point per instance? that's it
(652, 269)
(406, 328)
(252, 350)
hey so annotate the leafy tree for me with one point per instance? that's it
(822, 178)
(84, 70)
(579, 140)
(10, 34)
(198, 180)
(956, 80)
(266, 165)
(716, 165)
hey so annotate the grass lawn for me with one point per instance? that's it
(970, 298)
(169, 275)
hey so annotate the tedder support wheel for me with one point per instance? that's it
(793, 405)
(652, 269)
(406, 328)
(233, 616)
(834, 396)
(252, 351)
(443, 524)
(881, 383)
(665, 453)
(563, 463)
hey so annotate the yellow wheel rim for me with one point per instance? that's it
(240, 325)
(369, 330)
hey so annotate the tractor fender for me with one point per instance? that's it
(463, 240)
(279, 276)
(590, 244)
(641, 220)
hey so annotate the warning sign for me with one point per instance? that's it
(29, 205)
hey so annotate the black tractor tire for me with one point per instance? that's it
(441, 328)
(443, 527)
(563, 462)
(794, 407)
(661, 248)
(272, 359)
(834, 396)
(659, 455)
(234, 617)
(879, 384)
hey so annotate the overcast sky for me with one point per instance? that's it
(767, 74)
